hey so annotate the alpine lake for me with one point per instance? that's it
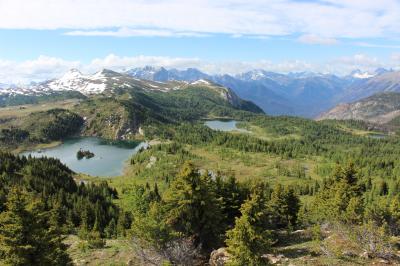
(109, 157)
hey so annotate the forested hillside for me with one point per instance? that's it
(279, 190)
(347, 201)
(40, 202)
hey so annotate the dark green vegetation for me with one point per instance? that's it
(40, 201)
(196, 190)
(84, 154)
(353, 191)
(130, 109)
(41, 127)
(119, 114)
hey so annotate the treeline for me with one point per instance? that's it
(375, 158)
(41, 192)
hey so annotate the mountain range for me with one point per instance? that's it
(303, 94)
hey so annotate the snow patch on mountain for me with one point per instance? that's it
(201, 82)
(358, 74)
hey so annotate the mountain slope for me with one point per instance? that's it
(304, 94)
(107, 82)
(378, 108)
(387, 81)
(116, 106)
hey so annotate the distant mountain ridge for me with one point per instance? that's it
(304, 94)
(110, 83)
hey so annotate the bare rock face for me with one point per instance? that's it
(219, 257)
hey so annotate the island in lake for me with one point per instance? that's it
(84, 154)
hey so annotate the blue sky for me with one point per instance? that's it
(29, 44)
(43, 38)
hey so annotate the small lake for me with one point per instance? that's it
(224, 125)
(109, 157)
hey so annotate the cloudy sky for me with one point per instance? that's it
(42, 39)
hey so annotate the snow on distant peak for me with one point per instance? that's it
(361, 75)
(75, 80)
(257, 74)
(201, 82)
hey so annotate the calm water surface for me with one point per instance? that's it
(109, 157)
(228, 125)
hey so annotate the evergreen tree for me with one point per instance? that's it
(193, 208)
(50, 249)
(30, 235)
(283, 206)
(151, 228)
(341, 198)
(15, 231)
(251, 236)
(232, 195)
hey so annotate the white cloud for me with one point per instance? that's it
(120, 63)
(128, 32)
(329, 19)
(373, 45)
(363, 62)
(39, 69)
(315, 39)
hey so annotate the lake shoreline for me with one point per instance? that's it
(39, 146)
(110, 160)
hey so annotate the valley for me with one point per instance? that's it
(158, 147)
(199, 133)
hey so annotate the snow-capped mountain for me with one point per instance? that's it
(75, 80)
(162, 74)
(303, 94)
(358, 74)
(101, 82)
(256, 74)
(108, 82)
(276, 93)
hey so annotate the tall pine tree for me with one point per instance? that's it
(251, 236)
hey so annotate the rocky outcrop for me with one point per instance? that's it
(219, 257)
